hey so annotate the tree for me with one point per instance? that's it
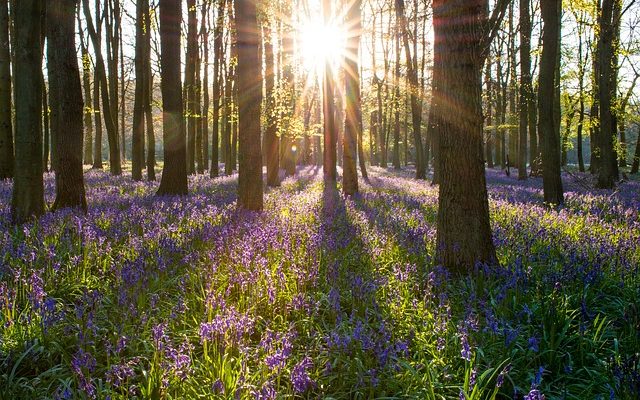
(65, 94)
(548, 122)
(608, 164)
(174, 173)
(415, 88)
(137, 136)
(353, 115)
(217, 87)
(525, 85)
(86, 87)
(107, 106)
(271, 141)
(190, 84)
(330, 156)
(250, 190)
(463, 229)
(6, 125)
(28, 187)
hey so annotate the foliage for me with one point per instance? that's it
(319, 296)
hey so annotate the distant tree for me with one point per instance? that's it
(137, 136)
(250, 187)
(463, 229)
(190, 83)
(28, 188)
(525, 85)
(217, 87)
(97, 145)
(107, 96)
(6, 125)
(86, 87)
(353, 115)
(548, 124)
(65, 93)
(174, 173)
(415, 89)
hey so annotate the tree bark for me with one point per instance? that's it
(353, 115)
(189, 83)
(6, 125)
(28, 186)
(217, 88)
(250, 190)
(525, 85)
(463, 229)
(329, 164)
(608, 169)
(174, 173)
(271, 141)
(137, 136)
(101, 78)
(548, 124)
(65, 93)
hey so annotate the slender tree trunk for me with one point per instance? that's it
(353, 119)
(174, 173)
(137, 136)
(548, 125)
(525, 85)
(217, 86)
(204, 32)
(271, 139)
(65, 91)
(101, 78)
(607, 171)
(88, 103)
(463, 229)
(329, 164)
(416, 102)
(189, 83)
(488, 147)
(396, 104)
(6, 125)
(250, 190)
(45, 122)
(28, 186)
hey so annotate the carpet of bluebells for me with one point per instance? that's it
(319, 296)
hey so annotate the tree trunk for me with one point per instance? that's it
(217, 88)
(525, 85)
(353, 115)
(488, 147)
(329, 164)
(28, 186)
(86, 85)
(174, 173)
(101, 78)
(250, 190)
(206, 102)
(137, 136)
(636, 157)
(548, 125)
(463, 229)
(396, 104)
(189, 83)
(416, 101)
(65, 91)
(271, 141)
(608, 170)
(6, 125)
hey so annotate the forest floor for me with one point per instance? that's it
(319, 296)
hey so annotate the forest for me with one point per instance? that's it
(305, 199)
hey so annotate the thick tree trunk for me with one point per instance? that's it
(548, 124)
(65, 93)
(174, 173)
(249, 78)
(137, 136)
(6, 125)
(28, 186)
(463, 230)
(353, 116)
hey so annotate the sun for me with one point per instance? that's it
(321, 43)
